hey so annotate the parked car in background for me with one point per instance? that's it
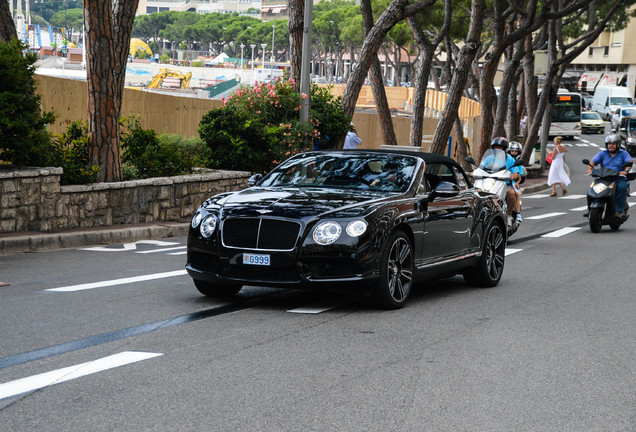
(591, 121)
(627, 131)
(375, 222)
(619, 113)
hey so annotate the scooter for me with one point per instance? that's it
(492, 176)
(600, 199)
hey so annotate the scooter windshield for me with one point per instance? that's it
(493, 160)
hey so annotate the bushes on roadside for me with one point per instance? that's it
(259, 127)
(23, 136)
(71, 153)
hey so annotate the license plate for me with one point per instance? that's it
(256, 259)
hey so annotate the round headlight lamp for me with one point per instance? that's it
(327, 232)
(196, 219)
(208, 225)
(599, 187)
(356, 228)
(489, 183)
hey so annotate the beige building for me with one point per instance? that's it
(610, 60)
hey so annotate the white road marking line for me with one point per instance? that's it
(316, 308)
(161, 250)
(567, 197)
(561, 232)
(633, 194)
(178, 253)
(544, 216)
(582, 145)
(536, 196)
(594, 145)
(129, 246)
(121, 281)
(579, 208)
(510, 251)
(35, 382)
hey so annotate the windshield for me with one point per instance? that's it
(493, 160)
(567, 108)
(347, 170)
(591, 116)
(628, 112)
(622, 100)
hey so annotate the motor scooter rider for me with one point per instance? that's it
(514, 150)
(512, 196)
(614, 157)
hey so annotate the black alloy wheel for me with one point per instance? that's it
(490, 267)
(396, 273)
(216, 290)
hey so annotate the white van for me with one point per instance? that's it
(609, 98)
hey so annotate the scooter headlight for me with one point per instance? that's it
(599, 187)
(489, 183)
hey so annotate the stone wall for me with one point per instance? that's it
(31, 199)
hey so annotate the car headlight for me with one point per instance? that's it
(327, 232)
(356, 228)
(208, 225)
(196, 219)
(599, 187)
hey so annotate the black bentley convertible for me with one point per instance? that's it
(373, 221)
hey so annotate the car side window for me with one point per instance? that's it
(436, 173)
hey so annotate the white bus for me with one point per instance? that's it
(566, 116)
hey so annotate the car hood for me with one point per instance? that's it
(299, 202)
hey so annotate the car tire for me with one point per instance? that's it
(396, 273)
(217, 290)
(489, 269)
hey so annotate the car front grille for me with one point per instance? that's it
(260, 273)
(260, 233)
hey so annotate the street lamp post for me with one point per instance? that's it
(253, 46)
(273, 31)
(242, 46)
(263, 45)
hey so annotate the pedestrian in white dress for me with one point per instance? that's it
(557, 174)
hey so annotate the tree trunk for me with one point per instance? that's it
(7, 26)
(427, 51)
(460, 75)
(396, 11)
(377, 84)
(295, 26)
(107, 44)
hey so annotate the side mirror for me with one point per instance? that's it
(254, 180)
(586, 161)
(444, 189)
(470, 160)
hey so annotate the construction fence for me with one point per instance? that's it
(174, 114)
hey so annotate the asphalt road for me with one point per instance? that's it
(127, 343)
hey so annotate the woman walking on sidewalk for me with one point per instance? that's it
(557, 174)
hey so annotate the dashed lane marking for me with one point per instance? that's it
(510, 251)
(533, 196)
(545, 216)
(47, 379)
(121, 281)
(161, 250)
(561, 232)
(572, 197)
(178, 253)
(316, 308)
(579, 208)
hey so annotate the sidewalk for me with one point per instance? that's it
(30, 241)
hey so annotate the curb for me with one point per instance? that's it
(35, 242)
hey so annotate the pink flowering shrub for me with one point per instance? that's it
(259, 127)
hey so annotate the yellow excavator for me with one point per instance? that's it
(166, 73)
